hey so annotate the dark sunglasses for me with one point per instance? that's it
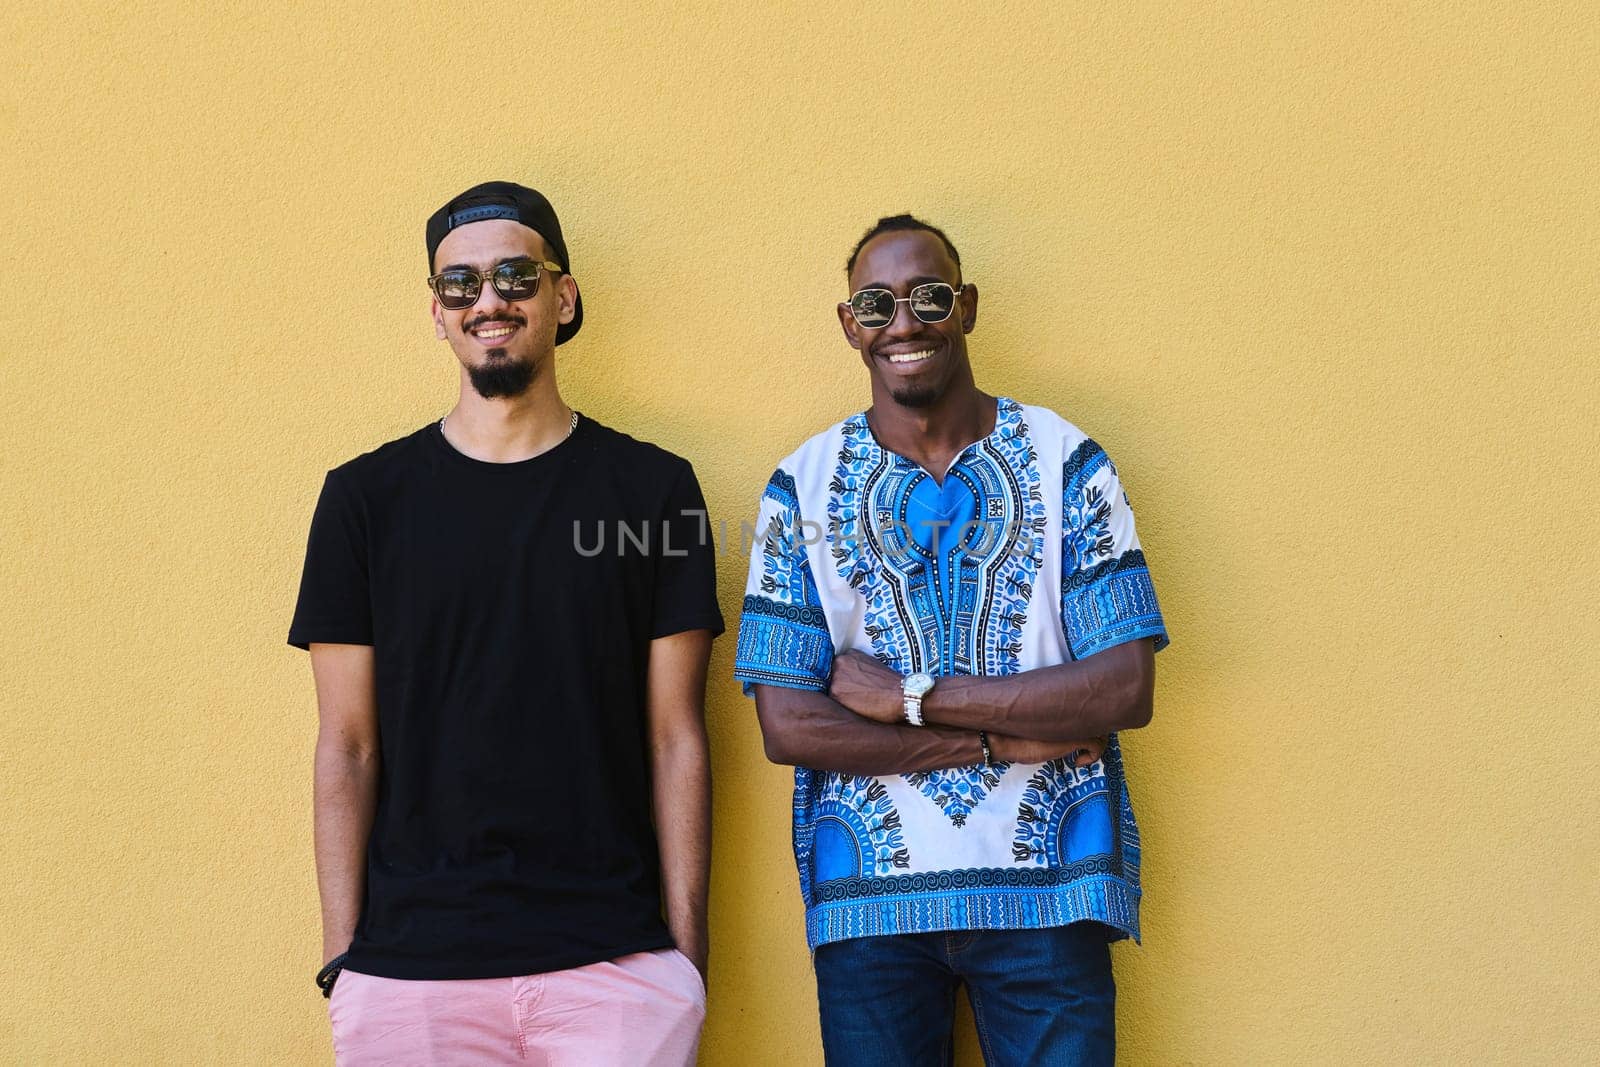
(931, 302)
(517, 280)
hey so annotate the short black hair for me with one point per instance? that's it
(891, 223)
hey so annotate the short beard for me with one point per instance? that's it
(502, 377)
(916, 398)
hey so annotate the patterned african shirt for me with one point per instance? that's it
(1024, 557)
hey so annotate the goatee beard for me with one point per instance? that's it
(502, 377)
(915, 398)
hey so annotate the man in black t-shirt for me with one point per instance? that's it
(509, 614)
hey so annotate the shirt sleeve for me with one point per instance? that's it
(1107, 596)
(783, 634)
(686, 566)
(335, 604)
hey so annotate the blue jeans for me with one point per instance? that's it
(1039, 997)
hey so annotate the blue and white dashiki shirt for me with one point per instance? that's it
(1025, 557)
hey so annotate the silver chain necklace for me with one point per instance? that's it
(573, 425)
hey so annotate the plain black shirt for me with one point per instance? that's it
(511, 608)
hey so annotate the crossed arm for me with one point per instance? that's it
(857, 727)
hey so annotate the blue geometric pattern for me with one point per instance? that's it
(1109, 603)
(786, 573)
(853, 829)
(944, 576)
(1087, 460)
(1022, 552)
(857, 546)
(1085, 512)
(1065, 816)
(1106, 598)
(783, 644)
(783, 633)
(946, 572)
(985, 898)
(959, 789)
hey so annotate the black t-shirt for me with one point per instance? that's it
(511, 608)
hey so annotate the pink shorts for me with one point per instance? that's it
(640, 1009)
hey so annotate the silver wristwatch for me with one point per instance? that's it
(914, 688)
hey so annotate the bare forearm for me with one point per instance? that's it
(811, 730)
(344, 796)
(1091, 697)
(682, 800)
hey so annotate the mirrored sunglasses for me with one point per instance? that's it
(931, 302)
(515, 280)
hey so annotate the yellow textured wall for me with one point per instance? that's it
(1322, 278)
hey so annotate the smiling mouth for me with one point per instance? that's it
(494, 332)
(909, 357)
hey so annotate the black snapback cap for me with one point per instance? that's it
(507, 200)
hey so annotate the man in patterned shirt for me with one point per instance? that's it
(948, 618)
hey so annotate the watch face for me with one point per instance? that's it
(918, 685)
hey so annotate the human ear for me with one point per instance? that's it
(847, 322)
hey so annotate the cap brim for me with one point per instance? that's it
(565, 331)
